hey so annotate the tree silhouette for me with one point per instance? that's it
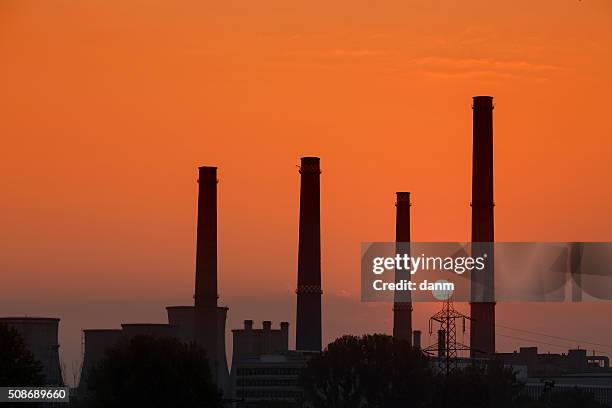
(572, 398)
(374, 371)
(18, 367)
(367, 372)
(152, 372)
(493, 385)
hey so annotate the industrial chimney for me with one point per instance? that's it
(402, 305)
(209, 320)
(482, 306)
(416, 342)
(308, 327)
(206, 246)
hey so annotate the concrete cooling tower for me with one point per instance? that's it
(40, 335)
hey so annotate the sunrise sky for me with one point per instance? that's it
(108, 107)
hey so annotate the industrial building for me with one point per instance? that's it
(555, 365)
(248, 342)
(600, 387)
(96, 342)
(263, 368)
(40, 335)
(261, 353)
(552, 372)
(204, 321)
(270, 378)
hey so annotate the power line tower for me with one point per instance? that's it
(447, 346)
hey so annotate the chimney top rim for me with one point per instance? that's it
(102, 330)
(29, 319)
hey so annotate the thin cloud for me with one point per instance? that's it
(400, 61)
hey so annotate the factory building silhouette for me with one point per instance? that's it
(40, 335)
(263, 367)
(204, 322)
(255, 351)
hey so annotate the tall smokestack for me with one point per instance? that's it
(206, 246)
(402, 305)
(482, 306)
(417, 339)
(205, 297)
(308, 327)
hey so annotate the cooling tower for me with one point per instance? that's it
(40, 335)
(96, 342)
(131, 330)
(183, 317)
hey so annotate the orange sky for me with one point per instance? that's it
(108, 107)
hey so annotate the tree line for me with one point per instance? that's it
(371, 371)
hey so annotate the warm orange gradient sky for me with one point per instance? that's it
(108, 107)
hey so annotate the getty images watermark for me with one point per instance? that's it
(486, 272)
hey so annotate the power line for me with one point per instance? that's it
(575, 341)
(530, 340)
(546, 343)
